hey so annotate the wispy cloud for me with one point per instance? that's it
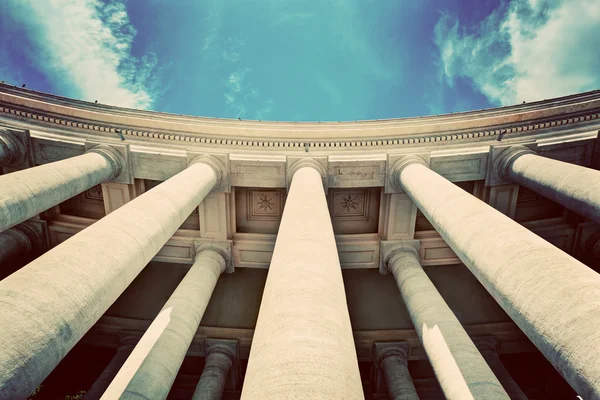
(85, 47)
(529, 50)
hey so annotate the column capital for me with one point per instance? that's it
(499, 160)
(219, 163)
(119, 158)
(224, 248)
(383, 350)
(391, 250)
(396, 163)
(36, 232)
(12, 150)
(486, 344)
(319, 164)
(223, 346)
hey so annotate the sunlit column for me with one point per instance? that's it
(28, 192)
(49, 304)
(303, 345)
(151, 368)
(552, 297)
(573, 186)
(459, 367)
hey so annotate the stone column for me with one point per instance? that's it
(391, 359)
(28, 192)
(220, 356)
(10, 149)
(303, 345)
(574, 187)
(459, 367)
(153, 365)
(487, 346)
(49, 304)
(21, 239)
(13, 243)
(109, 373)
(552, 297)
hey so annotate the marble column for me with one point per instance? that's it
(303, 345)
(52, 302)
(392, 360)
(108, 374)
(219, 360)
(151, 368)
(28, 192)
(10, 151)
(552, 297)
(459, 367)
(574, 187)
(487, 346)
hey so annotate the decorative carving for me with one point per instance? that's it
(264, 204)
(94, 195)
(350, 204)
(244, 142)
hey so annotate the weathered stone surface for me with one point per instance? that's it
(573, 186)
(220, 356)
(552, 297)
(459, 367)
(26, 193)
(391, 359)
(151, 368)
(303, 345)
(51, 303)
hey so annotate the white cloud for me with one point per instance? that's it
(265, 111)
(86, 46)
(530, 50)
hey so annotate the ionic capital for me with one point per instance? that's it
(224, 248)
(396, 163)
(12, 150)
(219, 163)
(391, 251)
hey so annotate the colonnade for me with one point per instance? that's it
(303, 345)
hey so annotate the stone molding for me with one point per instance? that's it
(396, 163)
(495, 129)
(392, 249)
(383, 350)
(118, 155)
(16, 142)
(229, 348)
(222, 247)
(36, 232)
(500, 158)
(293, 164)
(219, 163)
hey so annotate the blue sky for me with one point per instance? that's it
(302, 60)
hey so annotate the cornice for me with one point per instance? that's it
(522, 120)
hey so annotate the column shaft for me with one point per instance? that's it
(303, 345)
(398, 380)
(458, 365)
(13, 243)
(51, 303)
(153, 365)
(509, 384)
(573, 186)
(552, 297)
(214, 376)
(109, 373)
(28, 192)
